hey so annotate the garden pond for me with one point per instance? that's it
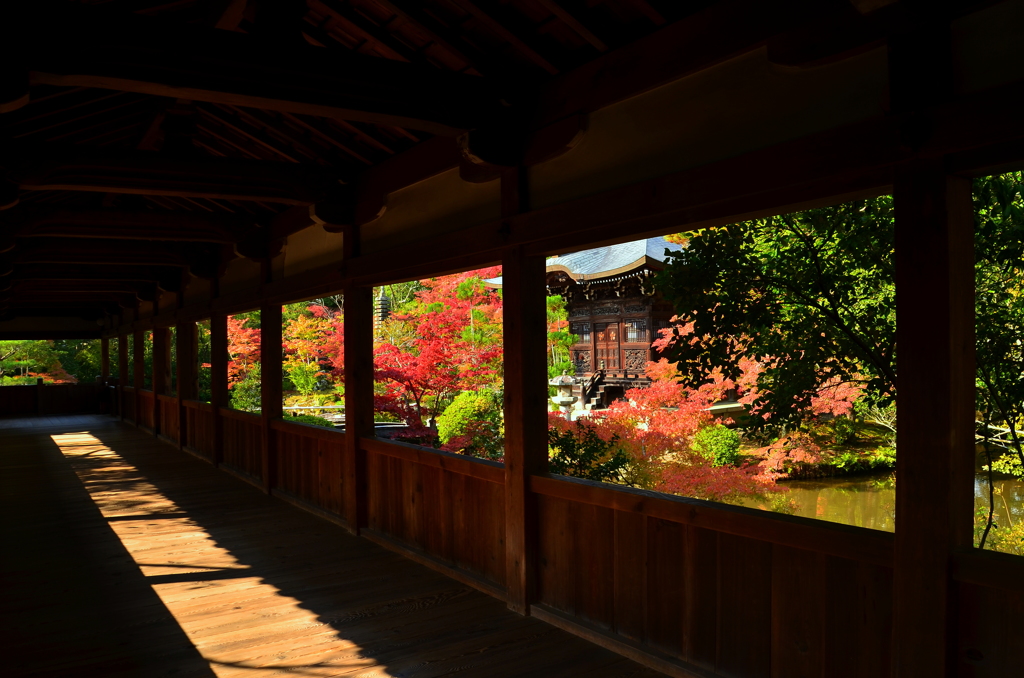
(870, 500)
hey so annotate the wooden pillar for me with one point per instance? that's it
(122, 371)
(935, 468)
(187, 347)
(218, 380)
(358, 302)
(161, 371)
(138, 369)
(526, 397)
(270, 386)
(104, 360)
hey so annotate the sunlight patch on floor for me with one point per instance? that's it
(241, 624)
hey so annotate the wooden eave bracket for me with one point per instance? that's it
(486, 153)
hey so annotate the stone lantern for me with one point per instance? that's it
(564, 398)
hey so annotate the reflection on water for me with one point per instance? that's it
(870, 501)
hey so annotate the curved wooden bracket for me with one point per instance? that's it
(486, 153)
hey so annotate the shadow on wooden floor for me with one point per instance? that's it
(154, 563)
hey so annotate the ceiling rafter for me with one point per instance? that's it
(135, 54)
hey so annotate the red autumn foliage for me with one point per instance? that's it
(243, 349)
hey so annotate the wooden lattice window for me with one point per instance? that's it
(636, 331)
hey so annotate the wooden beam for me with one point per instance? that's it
(934, 498)
(131, 53)
(86, 271)
(127, 225)
(51, 167)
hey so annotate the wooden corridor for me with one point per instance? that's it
(125, 557)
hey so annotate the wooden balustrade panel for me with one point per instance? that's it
(17, 400)
(309, 467)
(458, 519)
(991, 626)
(169, 417)
(199, 430)
(733, 605)
(55, 399)
(243, 439)
(128, 404)
(145, 413)
(112, 401)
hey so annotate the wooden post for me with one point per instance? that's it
(935, 401)
(270, 386)
(104, 360)
(122, 371)
(218, 380)
(104, 394)
(526, 449)
(358, 390)
(161, 369)
(187, 340)
(139, 369)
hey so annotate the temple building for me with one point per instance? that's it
(614, 311)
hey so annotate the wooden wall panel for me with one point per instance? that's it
(169, 427)
(700, 596)
(145, 413)
(56, 399)
(744, 607)
(309, 466)
(243, 443)
(629, 576)
(199, 430)
(455, 518)
(798, 612)
(128, 404)
(858, 613)
(990, 629)
(665, 586)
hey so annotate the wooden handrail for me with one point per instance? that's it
(856, 543)
(483, 469)
(307, 430)
(248, 417)
(198, 405)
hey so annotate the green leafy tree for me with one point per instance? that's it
(811, 295)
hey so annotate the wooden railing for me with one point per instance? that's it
(725, 589)
(683, 585)
(53, 399)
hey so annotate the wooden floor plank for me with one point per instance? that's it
(127, 557)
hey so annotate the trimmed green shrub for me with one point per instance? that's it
(719, 444)
(245, 395)
(309, 419)
(474, 424)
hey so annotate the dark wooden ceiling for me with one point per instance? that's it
(146, 141)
